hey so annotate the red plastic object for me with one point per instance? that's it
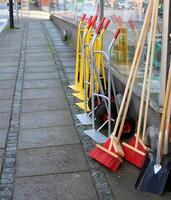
(89, 19)
(105, 159)
(106, 25)
(94, 20)
(114, 19)
(120, 21)
(83, 17)
(117, 33)
(89, 25)
(132, 24)
(100, 25)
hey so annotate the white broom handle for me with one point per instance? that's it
(143, 32)
(150, 69)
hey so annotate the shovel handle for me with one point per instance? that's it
(100, 25)
(116, 34)
(94, 20)
(83, 17)
(107, 24)
(89, 19)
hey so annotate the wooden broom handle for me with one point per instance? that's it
(150, 70)
(162, 124)
(137, 54)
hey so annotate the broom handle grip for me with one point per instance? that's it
(106, 25)
(153, 40)
(132, 24)
(89, 19)
(83, 17)
(94, 20)
(148, 66)
(100, 25)
(142, 35)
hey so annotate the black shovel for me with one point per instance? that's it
(155, 174)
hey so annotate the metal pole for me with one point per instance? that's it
(11, 17)
(101, 9)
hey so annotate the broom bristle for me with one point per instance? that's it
(105, 159)
(134, 157)
(132, 143)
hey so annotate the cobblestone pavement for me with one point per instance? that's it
(43, 151)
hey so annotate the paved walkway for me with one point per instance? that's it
(42, 145)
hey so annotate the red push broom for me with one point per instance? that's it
(135, 151)
(109, 154)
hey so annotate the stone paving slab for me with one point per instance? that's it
(42, 84)
(9, 63)
(7, 84)
(4, 120)
(35, 51)
(40, 69)
(71, 186)
(39, 64)
(7, 76)
(38, 58)
(66, 59)
(38, 54)
(46, 104)
(68, 64)
(43, 93)
(6, 93)
(8, 69)
(1, 157)
(39, 76)
(53, 136)
(68, 55)
(3, 136)
(47, 160)
(46, 119)
(5, 105)
(69, 70)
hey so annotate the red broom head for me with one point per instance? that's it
(134, 157)
(105, 159)
(132, 143)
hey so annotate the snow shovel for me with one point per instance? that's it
(155, 172)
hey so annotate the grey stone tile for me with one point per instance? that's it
(8, 69)
(69, 70)
(38, 58)
(59, 159)
(7, 76)
(52, 136)
(9, 63)
(68, 64)
(70, 76)
(42, 84)
(40, 69)
(46, 104)
(7, 84)
(1, 157)
(39, 63)
(4, 120)
(43, 93)
(46, 119)
(71, 186)
(6, 93)
(39, 76)
(38, 54)
(5, 105)
(3, 136)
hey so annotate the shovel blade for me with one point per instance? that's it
(152, 182)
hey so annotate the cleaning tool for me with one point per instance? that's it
(109, 155)
(135, 151)
(85, 118)
(75, 87)
(154, 174)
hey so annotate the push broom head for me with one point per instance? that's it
(105, 157)
(135, 156)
